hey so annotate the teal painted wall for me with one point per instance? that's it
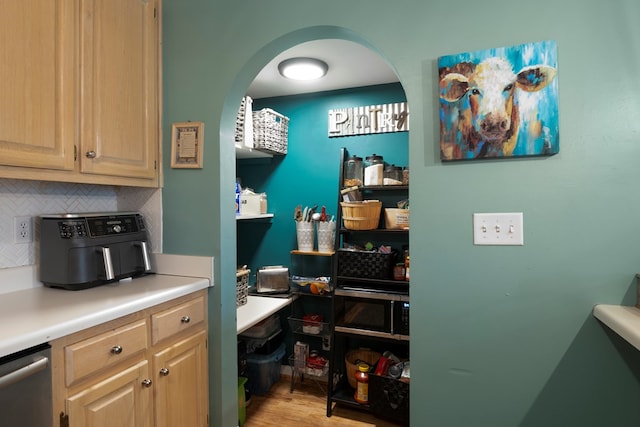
(308, 174)
(501, 336)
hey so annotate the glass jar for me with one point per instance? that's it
(353, 172)
(392, 175)
(405, 176)
(362, 384)
(374, 170)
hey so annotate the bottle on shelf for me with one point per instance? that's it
(362, 384)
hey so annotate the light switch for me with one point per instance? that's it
(498, 229)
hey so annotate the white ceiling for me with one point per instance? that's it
(350, 65)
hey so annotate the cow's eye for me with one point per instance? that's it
(475, 91)
(508, 87)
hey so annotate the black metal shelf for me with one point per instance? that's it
(381, 188)
(339, 390)
(343, 393)
(350, 279)
(375, 230)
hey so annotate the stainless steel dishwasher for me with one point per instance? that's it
(25, 388)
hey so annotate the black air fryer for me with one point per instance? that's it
(80, 251)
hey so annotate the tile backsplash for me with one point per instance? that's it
(35, 198)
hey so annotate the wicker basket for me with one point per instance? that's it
(363, 215)
(242, 286)
(362, 355)
(270, 131)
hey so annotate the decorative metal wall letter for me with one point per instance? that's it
(370, 119)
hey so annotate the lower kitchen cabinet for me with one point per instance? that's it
(116, 401)
(181, 383)
(145, 369)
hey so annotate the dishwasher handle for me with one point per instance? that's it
(25, 372)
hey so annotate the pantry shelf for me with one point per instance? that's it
(259, 216)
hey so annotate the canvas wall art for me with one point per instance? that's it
(499, 103)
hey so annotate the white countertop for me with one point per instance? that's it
(623, 320)
(39, 315)
(31, 314)
(257, 309)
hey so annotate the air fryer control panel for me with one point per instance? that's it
(100, 226)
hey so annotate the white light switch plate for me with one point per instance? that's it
(498, 229)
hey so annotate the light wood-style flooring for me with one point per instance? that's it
(306, 406)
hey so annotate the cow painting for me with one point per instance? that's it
(499, 103)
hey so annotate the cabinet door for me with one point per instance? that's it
(122, 400)
(181, 383)
(36, 83)
(119, 111)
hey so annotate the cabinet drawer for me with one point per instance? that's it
(177, 319)
(102, 351)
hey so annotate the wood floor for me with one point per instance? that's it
(306, 406)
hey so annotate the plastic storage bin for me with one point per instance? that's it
(264, 370)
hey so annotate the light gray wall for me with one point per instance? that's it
(501, 336)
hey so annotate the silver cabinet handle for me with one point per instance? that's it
(185, 319)
(116, 349)
(24, 372)
(91, 154)
(164, 372)
(147, 382)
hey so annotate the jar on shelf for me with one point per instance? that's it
(405, 176)
(353, 173)
(374, 170)
(362, 384)
(392, 175)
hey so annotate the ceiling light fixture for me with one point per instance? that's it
(303, 68)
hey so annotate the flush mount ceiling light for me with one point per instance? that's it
(303, 68)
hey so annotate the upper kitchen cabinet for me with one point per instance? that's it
(119, 87)
(37, 84)
(85, 79)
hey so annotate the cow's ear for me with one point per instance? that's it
(535, 78)
(453, 86)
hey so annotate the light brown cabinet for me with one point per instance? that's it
(81, 85)
(116, 401)
(120, 373)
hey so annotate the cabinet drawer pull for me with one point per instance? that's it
(116, 349)
(185, 319)
(147, 382)
(164, 372)
(91, 154)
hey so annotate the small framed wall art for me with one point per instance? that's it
(187, 140)
(499, 103)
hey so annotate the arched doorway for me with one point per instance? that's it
(228, 120)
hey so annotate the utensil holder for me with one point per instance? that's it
(326, 236)
(305, 235)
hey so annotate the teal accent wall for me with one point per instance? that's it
(308, 174)
(501, 336)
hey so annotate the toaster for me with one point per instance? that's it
(272, 280)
